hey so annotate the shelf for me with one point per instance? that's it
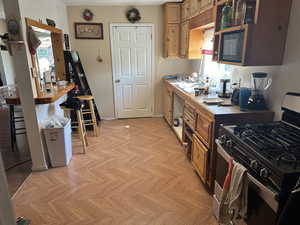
(231, 63)
(232, 29)
(44, 98)
(222, 2)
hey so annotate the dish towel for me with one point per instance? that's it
(234, 202)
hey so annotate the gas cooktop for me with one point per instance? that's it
(277, 142)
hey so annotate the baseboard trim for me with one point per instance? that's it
(39, 169)
(158, 116)
(109, 118)
(152, 116)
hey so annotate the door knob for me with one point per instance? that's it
(117, 81)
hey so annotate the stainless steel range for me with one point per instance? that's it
(271, 153)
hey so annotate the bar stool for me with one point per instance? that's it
(90, 111)
(17, 126)
(79, 124)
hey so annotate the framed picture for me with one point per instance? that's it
(89, 31)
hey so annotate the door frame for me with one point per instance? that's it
(152, 62)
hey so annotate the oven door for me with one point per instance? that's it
(232, 46)
(262, 204)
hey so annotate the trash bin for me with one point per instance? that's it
(59, 144)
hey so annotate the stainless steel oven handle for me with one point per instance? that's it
(264, 192)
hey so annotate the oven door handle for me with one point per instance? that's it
(264, 192)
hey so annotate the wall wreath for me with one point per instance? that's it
(133, 15)
(88, 15)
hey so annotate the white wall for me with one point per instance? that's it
(33, 114)
(100, 74)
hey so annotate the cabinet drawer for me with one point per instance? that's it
(189, 116)
(200, 158)
(189, 120)
(204, 128)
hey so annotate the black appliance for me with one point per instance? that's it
(223, 88)
(75, 73)
(232, 46)
(235, 97)
(271, 153)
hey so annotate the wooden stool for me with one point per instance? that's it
(93, 122)
(17, 126)
(79, 125)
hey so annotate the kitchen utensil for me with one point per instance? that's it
(224, 84)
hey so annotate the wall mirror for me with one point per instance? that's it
(45, 62)
(48, 62)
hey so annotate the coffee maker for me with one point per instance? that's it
(261, 83)
(224, 92)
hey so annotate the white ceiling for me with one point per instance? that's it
(117, 2)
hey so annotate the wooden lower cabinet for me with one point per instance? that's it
(200, 158)
(168, 105)
(204, 127)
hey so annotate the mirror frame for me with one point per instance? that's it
(57, 47)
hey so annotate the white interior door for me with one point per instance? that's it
(132, 70)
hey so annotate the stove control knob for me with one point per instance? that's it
(264, 173)
(254, 164)
(229, 143)
(222, 139)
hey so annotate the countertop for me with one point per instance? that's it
(45, 98)
(214, 110)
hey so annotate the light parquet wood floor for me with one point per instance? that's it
(135, 173)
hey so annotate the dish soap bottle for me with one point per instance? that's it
(226, 16)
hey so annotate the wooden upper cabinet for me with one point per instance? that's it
(185, 11)
(172, 29)
(172, 12)
(172, 41)
(195, 7)
(184, 39)
(191, 42)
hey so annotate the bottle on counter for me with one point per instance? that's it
(206, 86)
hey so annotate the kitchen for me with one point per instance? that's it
(206, 69)
(197, 120)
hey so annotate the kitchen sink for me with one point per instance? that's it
(188, 87)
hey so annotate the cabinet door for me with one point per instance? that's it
(200, 158)
(184, 38)
(185, 11)
(172, 41)
(168, 105)
(173, 13)
(204, 128)
(205, 4)
(195, 7)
